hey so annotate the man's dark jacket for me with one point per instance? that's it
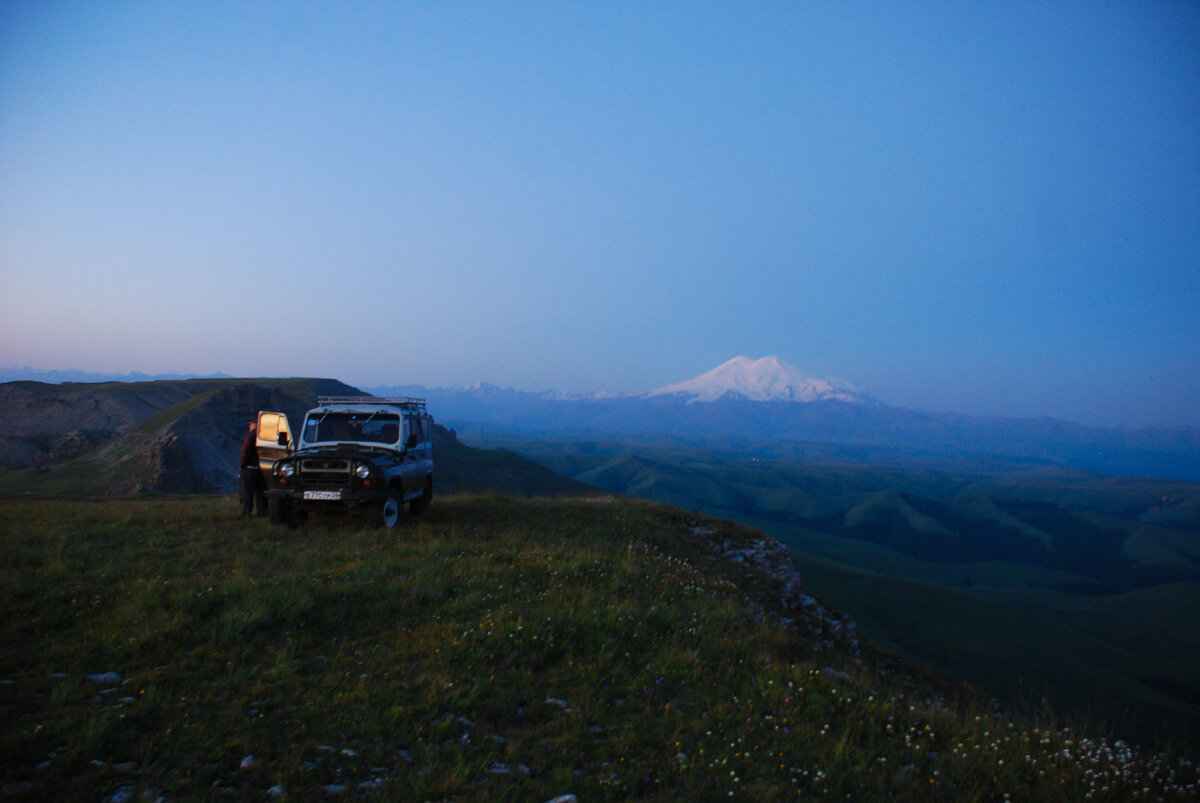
(249, 458)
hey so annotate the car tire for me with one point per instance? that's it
(421, 503)
(277, 510)
(389, 513)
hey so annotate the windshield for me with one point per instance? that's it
(362, 427)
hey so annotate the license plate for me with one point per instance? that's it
(331, 496)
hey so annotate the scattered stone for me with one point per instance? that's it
(276, 791)
(333, 789)
(375, 784)
(18, 788)
(563, 799)
(404, 754)
(773, 558)
(249, 762)
(45, 765)
(126, 767)
(555, 701)
(122, 795)
(349, 753)
(105, 677)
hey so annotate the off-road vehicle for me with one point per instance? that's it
(354, 453)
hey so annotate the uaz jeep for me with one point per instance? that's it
(354, 452)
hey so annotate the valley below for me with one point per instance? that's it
(1047, 586)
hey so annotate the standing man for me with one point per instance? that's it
(250, 483)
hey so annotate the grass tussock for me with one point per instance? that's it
(495, 650)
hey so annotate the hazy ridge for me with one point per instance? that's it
(946, 436)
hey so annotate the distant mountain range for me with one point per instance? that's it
(27, 374)
(767, 400)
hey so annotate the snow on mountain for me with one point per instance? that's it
(766, 379)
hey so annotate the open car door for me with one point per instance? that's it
(274, 439)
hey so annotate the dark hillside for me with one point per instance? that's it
(117, 438)
(46, 424)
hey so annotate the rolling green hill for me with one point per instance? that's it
(1075, 587)
(496, 649)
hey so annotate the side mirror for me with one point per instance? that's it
(412, 441)
(283, 439)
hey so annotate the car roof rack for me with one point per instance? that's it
(407, 402)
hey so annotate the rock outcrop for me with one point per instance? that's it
(163, 437)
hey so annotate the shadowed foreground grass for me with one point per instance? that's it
(495, 650)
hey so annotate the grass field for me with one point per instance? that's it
(495, 650)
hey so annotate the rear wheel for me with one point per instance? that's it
(422, 502)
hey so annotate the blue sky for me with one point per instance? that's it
(986, 207)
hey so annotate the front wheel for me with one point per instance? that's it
(277, 510)
(389, 512)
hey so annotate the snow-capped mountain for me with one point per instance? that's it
(766, 379)
(838, 414)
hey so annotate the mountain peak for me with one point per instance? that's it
(764, 379)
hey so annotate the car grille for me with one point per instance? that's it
(324, 472)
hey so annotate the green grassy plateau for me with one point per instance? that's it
(496, 649)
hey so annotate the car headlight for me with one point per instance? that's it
(287, 470)
(362, 471)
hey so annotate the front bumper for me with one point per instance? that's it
(324, 496)
(322, 480)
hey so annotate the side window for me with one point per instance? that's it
(416, 426)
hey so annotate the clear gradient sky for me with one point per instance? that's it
(985, 207)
